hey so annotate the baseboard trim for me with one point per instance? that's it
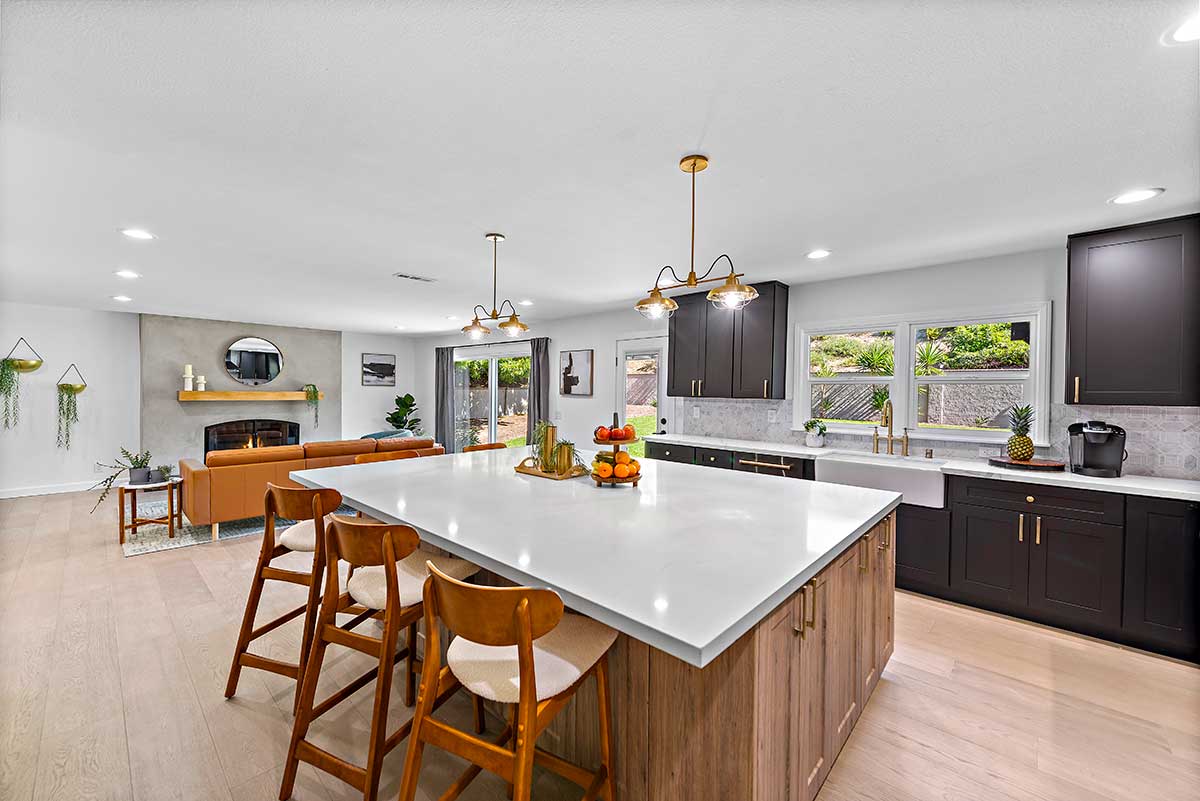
(48, 489)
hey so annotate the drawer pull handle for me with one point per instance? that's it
(1037, 532)
(700, 387)
(864, 564)
(812, 607)
(1077, 389)
(1028, 499)
(693, 387)
(803, 597)
(752, 463)
(765, 380)
(666, 453)
(1020, 528)
(712, 458)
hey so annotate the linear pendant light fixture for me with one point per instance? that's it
(512, 327)
(732, 294)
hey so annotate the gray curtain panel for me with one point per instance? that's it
(539, 384)
(444, 400)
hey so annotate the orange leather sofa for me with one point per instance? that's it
(230, 485)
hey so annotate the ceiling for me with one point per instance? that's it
(291, 156)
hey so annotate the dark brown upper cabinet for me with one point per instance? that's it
(1133, 315)
(719, 353)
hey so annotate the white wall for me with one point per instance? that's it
(575, 417)
(364, 408)
(105, 346)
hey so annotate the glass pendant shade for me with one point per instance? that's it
(513, 327)
(655, 306)
(476, 330)
(732, 294)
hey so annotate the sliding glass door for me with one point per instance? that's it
(491, 400)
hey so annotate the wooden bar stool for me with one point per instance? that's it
(387, 584)
(491, 446)
(514, 645)
(308, 507)
(384, 456)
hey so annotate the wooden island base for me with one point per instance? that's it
(765, 720)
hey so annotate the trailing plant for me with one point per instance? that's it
(403, 415)
(312, 396)
(68, 414)
(538, 441)
(126, 462)
(815, 426)
(10, 388)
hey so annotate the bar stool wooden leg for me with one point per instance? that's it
(480, 722)
(604, 698)
(243, 643)
(304, 709)
(310, 620)
(379, 715)
(410, 667)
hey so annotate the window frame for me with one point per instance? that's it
(904, 383)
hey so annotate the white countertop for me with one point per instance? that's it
(687, 562)
(1152, 486)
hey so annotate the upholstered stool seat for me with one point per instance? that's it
(368, 585)
(301, 536)
(560, 658)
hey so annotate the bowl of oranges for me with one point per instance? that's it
(617, 466)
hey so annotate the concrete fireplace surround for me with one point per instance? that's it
(172, 430)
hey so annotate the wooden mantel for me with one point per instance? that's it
(244, 395)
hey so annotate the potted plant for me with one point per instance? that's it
(814, 436)
(138, 465)
(161, 473)
(404, 414)
(312, 397)
(10, 382)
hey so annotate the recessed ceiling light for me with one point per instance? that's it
(1188, 31)
(452, 317)
(819, 253)
(138, 233)
(525, 302)
(129, 275)
(122, 298)
(399, 328)
(1136, 195)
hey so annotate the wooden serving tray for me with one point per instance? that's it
(615, 442)
(1036, 465)
(526, 467)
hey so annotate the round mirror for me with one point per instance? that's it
(253, 361)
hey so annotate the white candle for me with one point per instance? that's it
(187, 371)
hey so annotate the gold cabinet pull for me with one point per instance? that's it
(693, 387)
(864, 561)
(753, 463)
(1077, 389)
(1037, 532)
(765, 380)
(666, 453)
(885, 541)
(799, 629)
(700, 387)
(712, 458)
(812, 606)
(1020, 528)
(1029, 499)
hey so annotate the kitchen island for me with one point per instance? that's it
(755, 618)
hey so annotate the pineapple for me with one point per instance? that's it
(1020, 446)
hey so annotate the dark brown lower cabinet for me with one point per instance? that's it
(989, 560)
(769, 465)
(1162, 576)
(922, 549)
(670, 452)
(1075, 574)
(714, 457)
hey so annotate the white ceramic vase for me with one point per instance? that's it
(814, 439)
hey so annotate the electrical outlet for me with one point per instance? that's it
(772, 415)
(695, 412)
(558, 415)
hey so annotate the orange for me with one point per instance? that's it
(622, 457)
(634, 467)
(630, 431)
(621, 471)
(604, 469)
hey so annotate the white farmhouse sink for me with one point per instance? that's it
(920, 480)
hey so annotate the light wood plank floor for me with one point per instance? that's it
(112, 669)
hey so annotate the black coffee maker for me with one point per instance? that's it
(1097, 448)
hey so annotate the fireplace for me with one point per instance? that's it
(235, 434)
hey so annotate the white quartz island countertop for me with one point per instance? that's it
(1128, 484)
(686, 562)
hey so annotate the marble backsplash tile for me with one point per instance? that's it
(1161, 440)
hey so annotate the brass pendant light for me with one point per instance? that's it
(732, 294)
(512, 327)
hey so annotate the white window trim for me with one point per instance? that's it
(904, 385)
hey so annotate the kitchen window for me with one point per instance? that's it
(952, 377)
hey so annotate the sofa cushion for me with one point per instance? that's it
(345, 447)
(275, 453)
(404, 444)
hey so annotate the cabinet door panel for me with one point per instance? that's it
(841, 650)
(885, 595)
(685, 346)
(1133, 315)
(776, 702)
(868, 608)
(989, 555)
(714, 457)
(812, 743)
(760, 343)
(1162, 576)
(922, 547)
(1075, 574)
(670, 452)
(717, 368)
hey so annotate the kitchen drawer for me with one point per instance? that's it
(670, 452)
(1040, 499)
(767, 464)
(713, 457)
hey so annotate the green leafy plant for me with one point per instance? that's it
(879, 396)
(166, 471)
(929, 358)
(127, 461)
(10, 398)
(312, 396)
(817, 426)
(403, 415)
(878, 359)
(841, 347)
(68, 414)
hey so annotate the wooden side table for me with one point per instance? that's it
(173, 518)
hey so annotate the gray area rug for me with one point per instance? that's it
(153, 538)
